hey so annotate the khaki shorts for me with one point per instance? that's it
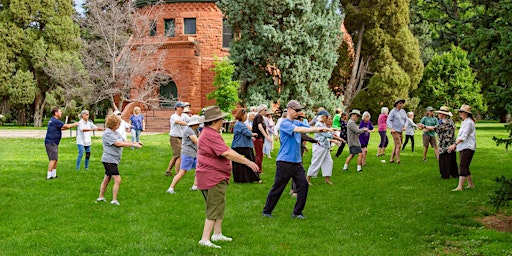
(427, 139)
(215, 201)
(175, 146)
(397, 138)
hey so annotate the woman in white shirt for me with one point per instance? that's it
(466, 145)
(83, 138)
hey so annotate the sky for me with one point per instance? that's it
(78, 5)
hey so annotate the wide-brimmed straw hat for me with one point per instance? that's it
(212, 113)
(195, 119)
(397, 101)
(465, 108)
(355, 111)
(444, 110)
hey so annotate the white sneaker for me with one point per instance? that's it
(220, 237)
(115, 202)
(207, 243)
(100, 199)
(170, 191)
(193, 188)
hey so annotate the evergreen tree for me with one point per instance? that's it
(39, 56)
(298, 37)
(226, 92)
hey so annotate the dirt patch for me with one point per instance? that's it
(499, 222)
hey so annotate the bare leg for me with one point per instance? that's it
(328, 180)
(177, 178)
(436, 151)
(207, 230)
(349, 158)
(217, 227)
(115, 189)
(425, 150)
(363, 160)
(470, 182)
(359, 158)
(171, 164)
(460, 186)
(103, 186)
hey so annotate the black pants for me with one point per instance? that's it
(407, 137)
(340, 149)
(285, 171)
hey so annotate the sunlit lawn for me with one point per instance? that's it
(389, 209)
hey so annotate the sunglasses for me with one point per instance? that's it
(298, 110)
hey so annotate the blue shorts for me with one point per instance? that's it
(188, 163)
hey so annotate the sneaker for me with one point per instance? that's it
(221, 237)
(208, 243)
(100, 199)
(170, 191)
(268, 215)
(300, 216)
(344, 169)
(115, 202)
(193, 188)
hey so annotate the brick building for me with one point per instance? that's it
(189, 34)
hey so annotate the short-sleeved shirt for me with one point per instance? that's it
(212, 167)
(429, 121)
(176, 129)
(188, 147)
(242, 136)
(111, 153)
(258, 119)
(122, 128)
(84, 138)
(323, 138)
(137, 121)
(290, 141)
(364, 137)
(54, 131)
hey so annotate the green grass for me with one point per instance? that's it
(389, 209)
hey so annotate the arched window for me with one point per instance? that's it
(168, 93)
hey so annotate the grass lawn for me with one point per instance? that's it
(389, 209)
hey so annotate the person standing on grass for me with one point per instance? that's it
(321, 158)
(429, 137)
(410, 127)
(342, 133)
(123, 127)
(52, 140)
(364, 138)
(178, 122)
(289, 161)
(243, 145)
(113, 145)
(396, 122)
(188, 152)
(138, 124)
(353, 140)
(259, 127)
(466, 146)
(268, 145)
(83, 139)
(383, 128)
(213, 173)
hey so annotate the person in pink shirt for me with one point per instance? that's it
(213, 173)
(383, 127)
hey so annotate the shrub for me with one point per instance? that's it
(503, 194)
(506, 141)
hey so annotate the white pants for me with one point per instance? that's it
(268, 145)
(321, 159)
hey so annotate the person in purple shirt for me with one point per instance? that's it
(52, 140)
(364, 137)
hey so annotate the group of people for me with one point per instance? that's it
(196, 143)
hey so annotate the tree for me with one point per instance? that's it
(226, 92)
(387, 62)
(118, 52)
(449, 80)
(299, 38)
(39, 55)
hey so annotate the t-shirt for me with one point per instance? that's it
(364, 137)
(290, 141)
(188, 147)
(176, 129)
(429, 121)
(54, 131)
(111, 153)
(122, 129)
(258, 119)
(212, 167)
(336, 121)
(84, 138)
(137, 121)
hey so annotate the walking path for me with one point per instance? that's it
(11, 133)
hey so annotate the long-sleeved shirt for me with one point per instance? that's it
(353, 132)
(242, 136)
(410, 126)
(397, 119)
(467, 134)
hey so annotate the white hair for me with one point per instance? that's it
(366, 114)
(384, 110)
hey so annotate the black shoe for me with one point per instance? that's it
(300, 216)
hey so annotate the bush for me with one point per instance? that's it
(503, 194)
(506, 141)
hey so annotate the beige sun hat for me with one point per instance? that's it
(465, 108)
(195, 119)
(444, 110)
(355, 111)
(397, 101)
(212, 113)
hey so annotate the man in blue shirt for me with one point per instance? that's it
(52, 140)
(289, 161)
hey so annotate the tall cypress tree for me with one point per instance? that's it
(298, 37)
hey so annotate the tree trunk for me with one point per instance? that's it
(350, 91)
(38, 110)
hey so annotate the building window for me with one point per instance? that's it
(152, 28)
(190, 26)
(227, 35)
(170, 28)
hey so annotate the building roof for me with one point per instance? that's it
(142, 3)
